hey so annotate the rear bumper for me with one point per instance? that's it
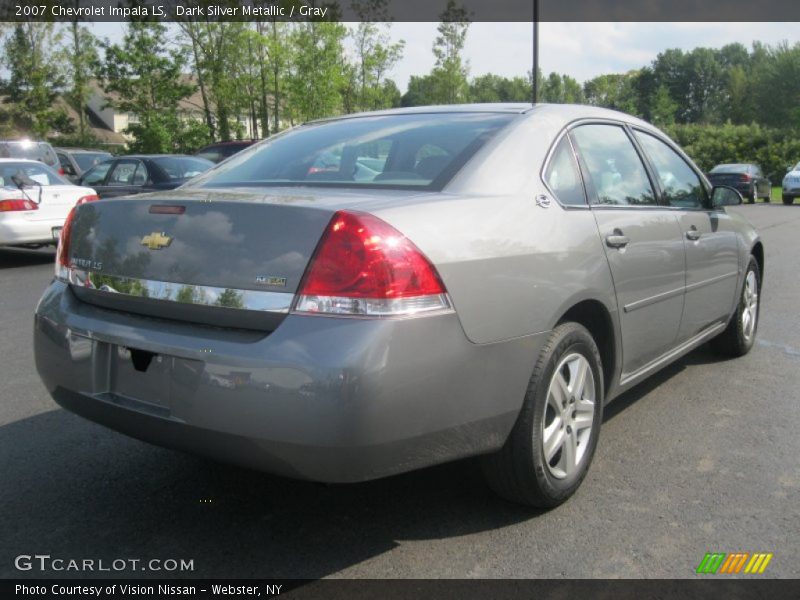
(18, 230)
(326, 399)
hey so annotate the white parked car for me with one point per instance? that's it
(791, 185)
(35, 202)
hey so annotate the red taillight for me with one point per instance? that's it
(364, 266)
(85, 199)
(17, 204)
(62, 253)
(744, 177)
(61, 170)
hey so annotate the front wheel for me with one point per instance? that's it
(738, 337)
(551, 446)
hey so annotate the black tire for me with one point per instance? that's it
(733, 341)
(518, 471)
(753, 197)
(787, 200)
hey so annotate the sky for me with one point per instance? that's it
(582, 50)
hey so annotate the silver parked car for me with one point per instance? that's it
(791, 185)
(504, 272)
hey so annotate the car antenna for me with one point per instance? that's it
(535, 44)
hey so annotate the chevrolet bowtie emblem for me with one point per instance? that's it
(156, 240)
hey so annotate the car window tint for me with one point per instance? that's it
(680, 185)
(614, 167)
(140, 174)
(30, 174)
(86, 160)
(214, 155)
(388, 151)
(123, 173)
(96, 175)
(563, 177)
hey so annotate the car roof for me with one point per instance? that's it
(156, 156)
(77, 150)
(566, 113)
(21, 160)
(230, 143)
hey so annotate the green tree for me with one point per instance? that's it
(80, 55)
(616, 91)
(34, 82)
(562, 89)
(663, 107)
(449, 76)
(316, 74)
(144, 78)
(375, 54)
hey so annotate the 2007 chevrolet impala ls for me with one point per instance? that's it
(368, 295)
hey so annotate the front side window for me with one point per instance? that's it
(392, 151)
(614, 167)
(97, 175)
(680, 185)
(563, 177)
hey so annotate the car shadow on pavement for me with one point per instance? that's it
(73, 489)
(12, 258)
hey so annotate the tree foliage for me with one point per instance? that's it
(144, 77)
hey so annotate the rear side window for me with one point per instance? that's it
(393, 151)
(563, 177)
(123, 173)
(680, 185)
(614, 167)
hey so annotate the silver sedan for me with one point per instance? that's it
(373, 294)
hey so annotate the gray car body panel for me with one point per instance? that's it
(320, 398)
(347, 399)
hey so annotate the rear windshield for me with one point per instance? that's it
(86, 160)
(397, 151)
(28, 174)
(731, 169)
(30, 150)
(182, 167)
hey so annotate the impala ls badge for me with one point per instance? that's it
(543, 201)
(269, 280)
(156, 240)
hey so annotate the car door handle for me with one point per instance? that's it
(617, 239)
(693, 234)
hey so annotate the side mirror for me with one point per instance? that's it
(722, 195)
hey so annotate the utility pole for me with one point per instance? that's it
(535, 70)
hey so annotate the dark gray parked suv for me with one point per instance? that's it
(456, 281)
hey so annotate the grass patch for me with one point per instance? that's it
(777, 195)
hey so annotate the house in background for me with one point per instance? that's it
(190, 108)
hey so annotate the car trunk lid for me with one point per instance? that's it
(235, 262)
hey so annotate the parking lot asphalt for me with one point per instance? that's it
(704, 456)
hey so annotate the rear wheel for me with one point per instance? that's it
(753, 197)
(788, 200)
(738, 337)
(549, 451)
